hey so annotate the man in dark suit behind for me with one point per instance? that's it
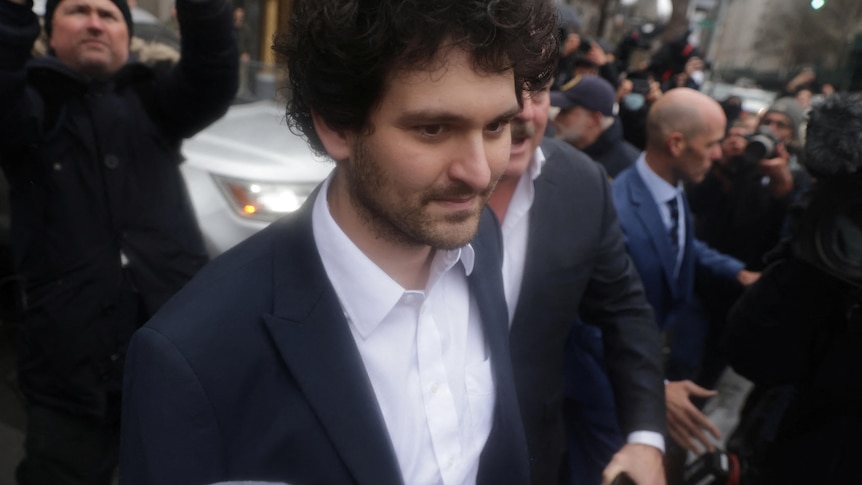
(363, 339)
(684, 132)
(565, 257)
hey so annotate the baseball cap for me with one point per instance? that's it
(591, 92)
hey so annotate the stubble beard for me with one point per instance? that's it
(407, 222)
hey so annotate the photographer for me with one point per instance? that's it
(797, 333)
(636, 94)
(739, 212)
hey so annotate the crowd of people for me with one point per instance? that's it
(530, 264)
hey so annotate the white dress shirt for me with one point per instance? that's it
(424, 353)
(516, 228)
(662, 192)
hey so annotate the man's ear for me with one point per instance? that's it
(676, 143)
(335, 142)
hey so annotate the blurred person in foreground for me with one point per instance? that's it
(797, 333)
(587, 121)
(103, 232)
(362, 339)
(740, 209)
(685, 129)
(565, 258)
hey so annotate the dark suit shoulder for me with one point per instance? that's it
(238, 286)
(621, 187)
(560, 152)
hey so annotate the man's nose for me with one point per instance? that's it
(95, 22)
(472, 166)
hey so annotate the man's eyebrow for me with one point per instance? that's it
(510, 114)
(437, 116)
(429, 116)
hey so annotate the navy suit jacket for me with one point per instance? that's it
(577, 264)
(648, 243)
(251, 373)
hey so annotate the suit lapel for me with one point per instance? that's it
(545, 200)
(311, 334)
(650, 218)
(505, 457)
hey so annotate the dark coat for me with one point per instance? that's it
(798, 331)
(577, 265)
(612, 150)
(102, 227)
(251, 373)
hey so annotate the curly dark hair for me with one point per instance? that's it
(833, 140)
(341, 53)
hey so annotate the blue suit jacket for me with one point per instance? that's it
(251, 373)
(649, 246)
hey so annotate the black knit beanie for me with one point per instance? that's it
(51, 5)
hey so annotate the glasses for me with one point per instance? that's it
(779, 123)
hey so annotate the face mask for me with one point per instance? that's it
(634, 101)
(697, 77)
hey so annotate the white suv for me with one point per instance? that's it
(246, 170)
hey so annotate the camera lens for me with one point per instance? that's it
(759, 147)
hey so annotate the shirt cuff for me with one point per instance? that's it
(650, 438)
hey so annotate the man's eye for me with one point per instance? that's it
(431, 130)
(538, 96)
(497, 126)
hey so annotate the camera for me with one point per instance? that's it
(640, 86)
(718, 467)
(585, 46)
(761, 144)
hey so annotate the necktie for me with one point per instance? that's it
(674, 225)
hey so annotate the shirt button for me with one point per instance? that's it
(111, 161)
(434, 388)
(449, 462)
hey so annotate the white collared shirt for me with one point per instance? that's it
(424, 353)
(516, 229)
(662, 192)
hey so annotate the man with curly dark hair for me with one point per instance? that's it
(364, 338)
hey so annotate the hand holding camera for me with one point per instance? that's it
(772, 158)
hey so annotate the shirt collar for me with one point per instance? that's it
(535, 168)
(661, 191)
(367, 294)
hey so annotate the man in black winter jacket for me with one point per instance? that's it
(103, 231)
(586, 121)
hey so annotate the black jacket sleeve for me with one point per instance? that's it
(200, 88)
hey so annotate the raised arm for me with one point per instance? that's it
(199, 89)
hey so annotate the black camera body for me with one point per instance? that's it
(640, 86)
(717, 468)
(761, 144)
(585, 46)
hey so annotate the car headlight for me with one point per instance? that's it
(263, 200)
